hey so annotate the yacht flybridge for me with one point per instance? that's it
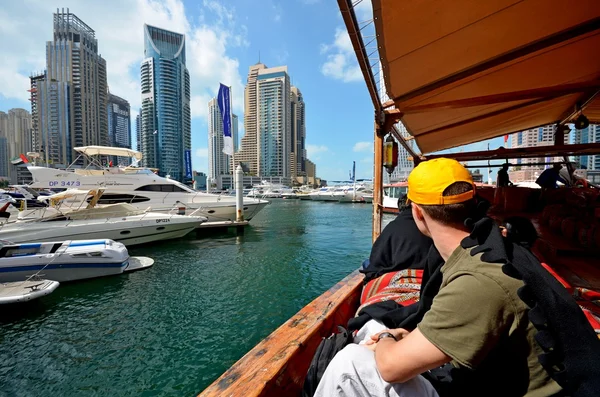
(139, 186)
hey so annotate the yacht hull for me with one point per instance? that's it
(126, 230)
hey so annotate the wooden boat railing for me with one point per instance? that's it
(277, 366)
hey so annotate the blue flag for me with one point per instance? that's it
(188, 164)
(224, 101)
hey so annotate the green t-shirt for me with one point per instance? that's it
(478, 320)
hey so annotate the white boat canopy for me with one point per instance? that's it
(108, 151)
(70, 193)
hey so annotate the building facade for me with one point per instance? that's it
(218, 162)
(138, 130)
(248, 152)
(528, 169)
(70, 100)
(17, 139)
(119, 125)
(273, 122)
(298, 134)
(166, 132)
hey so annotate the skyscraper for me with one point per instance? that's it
(526, 168)
(218, 162)
(70, 100)
(249, 151)
(138, 130)
(298, 146)
(405, 165)
(273, 121)
(165, 115)
(15, 139)
(119, 124)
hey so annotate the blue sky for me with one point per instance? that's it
(223, 39)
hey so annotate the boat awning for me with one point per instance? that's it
(108, 151)
(462, 71)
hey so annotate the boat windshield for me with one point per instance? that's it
(395, 191)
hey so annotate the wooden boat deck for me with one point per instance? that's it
(579, 266)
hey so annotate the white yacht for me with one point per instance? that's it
(120, 222)
(356, 194)
(67, 260)
(270, 190)
(391, 194)
(140, 187)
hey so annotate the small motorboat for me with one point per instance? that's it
(24, 291)
(67, 260)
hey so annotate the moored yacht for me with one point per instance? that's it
(140, 187)
(63, 220)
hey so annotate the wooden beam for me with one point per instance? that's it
(403, 140)
(557, 38)
(527, 152)
(584, 102)
(353, 28)
(377, 182)
(545, 92)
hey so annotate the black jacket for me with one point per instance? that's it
(399, 246)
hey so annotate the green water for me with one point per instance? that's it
(173, 329)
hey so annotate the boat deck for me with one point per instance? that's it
(579, 266)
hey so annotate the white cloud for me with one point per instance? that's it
(119, 30)
(314, 149)
(363, 146)
(367, 160)
(341, 61)
(202, 152)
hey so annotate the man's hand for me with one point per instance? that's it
(398, 333)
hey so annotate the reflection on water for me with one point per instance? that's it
(174, 328)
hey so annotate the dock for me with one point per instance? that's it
(223, 226)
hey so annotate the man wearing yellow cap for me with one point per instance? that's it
(477, 322)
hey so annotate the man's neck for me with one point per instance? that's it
(446, 239)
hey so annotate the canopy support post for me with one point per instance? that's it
(377, 181)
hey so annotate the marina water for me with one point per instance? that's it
(173, 329)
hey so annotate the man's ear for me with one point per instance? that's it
(417, 212)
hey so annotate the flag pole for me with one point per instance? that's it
(232, 137)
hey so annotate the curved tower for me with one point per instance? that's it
(165, 115)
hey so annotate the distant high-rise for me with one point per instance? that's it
(274, 122)
(69, 102)
(218, 162)
(138, 130)
(119, 124)
(15, 139)
(528, 169)
(249, 151)
(591, 134)
(298, 146)
(166, 131)
(405, 165)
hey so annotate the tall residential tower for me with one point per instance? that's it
(71, 96)
(218, 162)
(166, 131)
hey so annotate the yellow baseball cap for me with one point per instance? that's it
(429, 179)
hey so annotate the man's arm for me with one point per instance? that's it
(403, 360)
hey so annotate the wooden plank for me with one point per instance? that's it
(526, 152)
(278, 364)
(377, 182)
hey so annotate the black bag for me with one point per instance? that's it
(325, 353)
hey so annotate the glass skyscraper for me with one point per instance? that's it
(165, 115)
